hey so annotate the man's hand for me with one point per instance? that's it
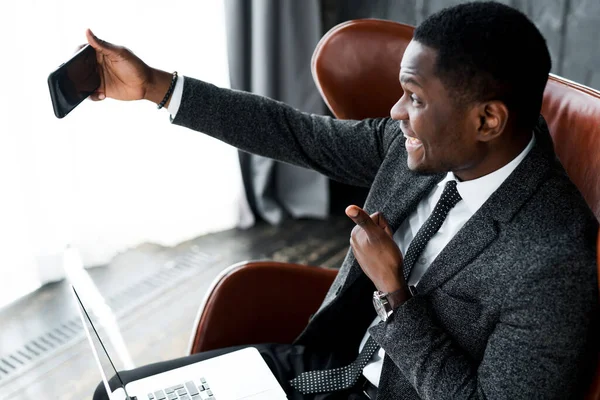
(124, 76)
(375, 250)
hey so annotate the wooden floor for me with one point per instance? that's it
(43, 353)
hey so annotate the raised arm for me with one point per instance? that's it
(347, 151)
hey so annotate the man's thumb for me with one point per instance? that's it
(359, 216)
(97, 44)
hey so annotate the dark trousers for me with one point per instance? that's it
(286, 361)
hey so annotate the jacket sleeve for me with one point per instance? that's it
(538, 349)
(345, 150)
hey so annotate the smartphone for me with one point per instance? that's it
(74, 81)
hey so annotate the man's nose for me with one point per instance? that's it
(398, 111)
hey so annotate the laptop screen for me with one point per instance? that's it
(108, 368)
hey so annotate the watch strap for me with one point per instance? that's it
(396, 298)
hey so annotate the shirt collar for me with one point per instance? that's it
(476, 191)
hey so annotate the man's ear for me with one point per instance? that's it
(492, 118)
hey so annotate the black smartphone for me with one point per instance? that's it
(74, 81)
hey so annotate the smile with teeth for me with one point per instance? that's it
(413, 143)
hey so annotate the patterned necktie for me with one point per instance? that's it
(448, 200)
(330, 380)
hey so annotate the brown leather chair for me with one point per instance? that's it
(355, 67)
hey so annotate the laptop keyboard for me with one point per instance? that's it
(189, 391)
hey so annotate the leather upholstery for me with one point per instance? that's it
(573, 115)
(259, 302)
(355, 67)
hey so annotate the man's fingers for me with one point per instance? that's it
(97, 96)
(380, 220)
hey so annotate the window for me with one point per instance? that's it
(110, 175)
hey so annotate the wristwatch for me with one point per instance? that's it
(385, 303)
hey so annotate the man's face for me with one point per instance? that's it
(440, 135)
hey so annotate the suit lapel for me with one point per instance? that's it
(470, 241)
(405, 197)
(401, 199)
(484, 226)
(480, 231)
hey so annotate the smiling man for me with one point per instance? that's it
(475, 248)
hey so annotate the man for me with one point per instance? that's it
(497, 293)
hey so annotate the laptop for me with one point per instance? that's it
(242, 374)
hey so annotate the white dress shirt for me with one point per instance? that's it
(474, 193)
(176, 96)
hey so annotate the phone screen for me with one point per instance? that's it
(74, 81)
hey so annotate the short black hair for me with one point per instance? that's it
(489, 51)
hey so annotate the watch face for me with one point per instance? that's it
(379, 305)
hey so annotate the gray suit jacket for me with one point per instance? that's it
(506, 311)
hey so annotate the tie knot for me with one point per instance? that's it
(450, 195)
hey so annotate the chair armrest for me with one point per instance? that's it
(259, 302)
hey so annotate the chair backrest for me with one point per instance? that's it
(356, 66)
(573, 115)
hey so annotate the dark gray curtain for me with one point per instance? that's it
(338, 11)
(270, 44)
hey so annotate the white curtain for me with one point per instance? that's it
(110, 175)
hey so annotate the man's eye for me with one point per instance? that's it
(415, 99)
